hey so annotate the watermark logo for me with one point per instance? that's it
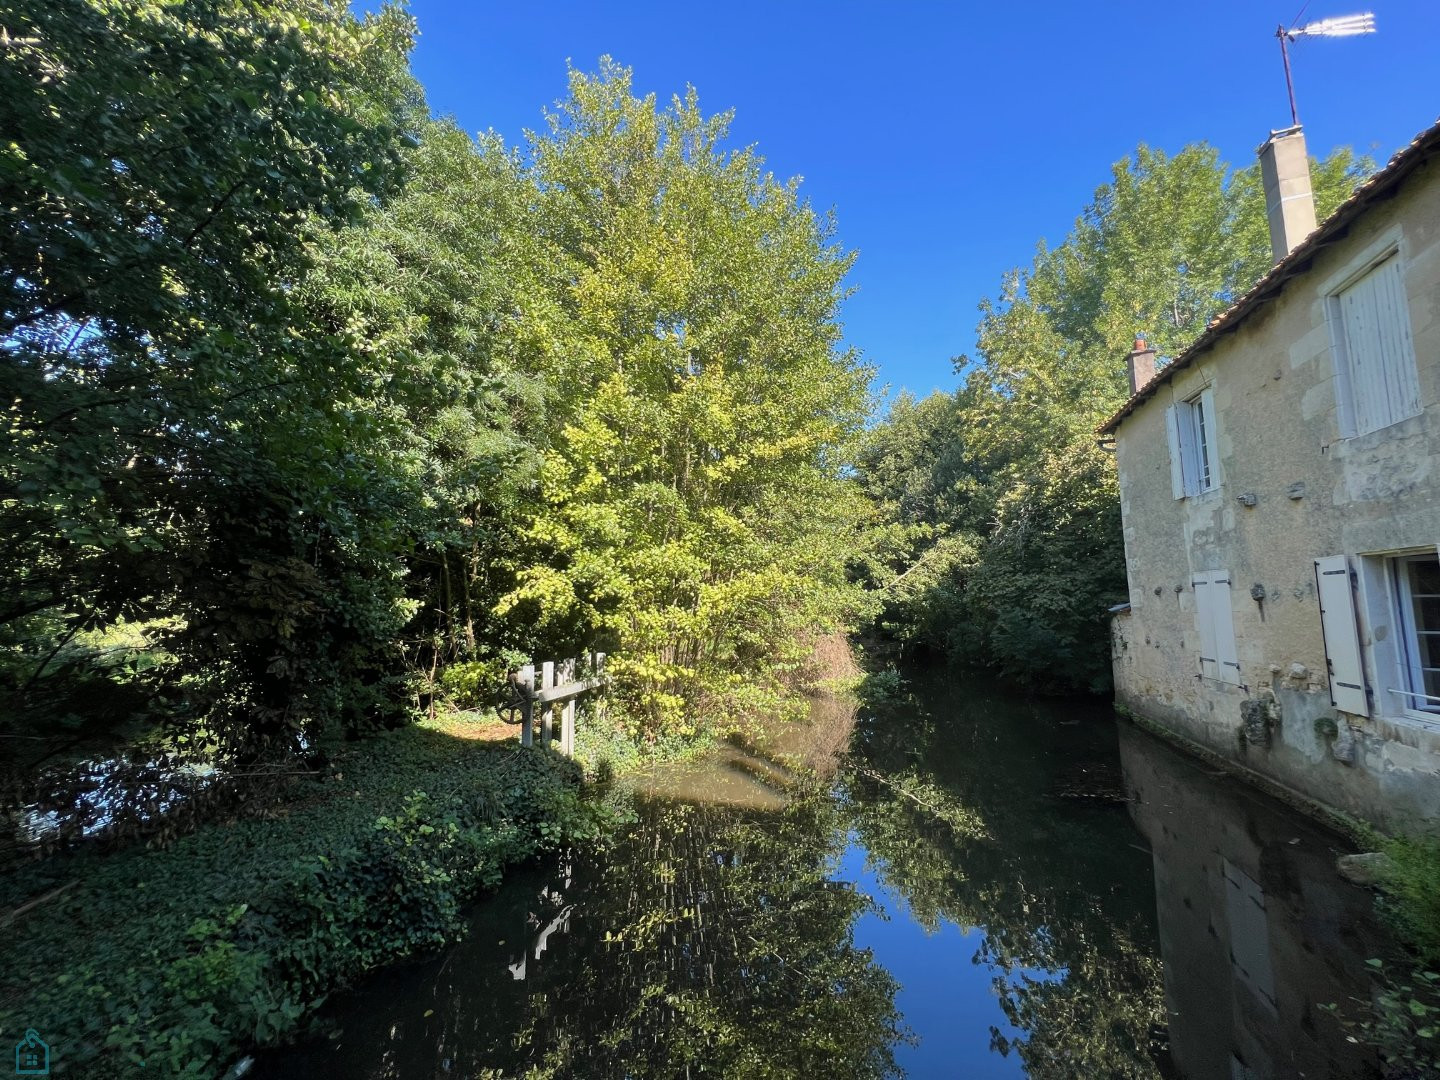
(32, 1055)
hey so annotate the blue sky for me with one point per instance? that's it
(949, 138)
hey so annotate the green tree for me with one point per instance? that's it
(695, 512)
(177, 440)
(445, 287)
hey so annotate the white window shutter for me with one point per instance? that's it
(1172, 431)
(1226, 655)
(1397, 351)
(1342, 639)
(1205, 624)
(1379, 353)
(1357, 305)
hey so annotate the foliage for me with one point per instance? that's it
(695, 514)
(1002, 544)
(1404, 1025)
(1405, 1022)
(175, 443)
(1412, 893)
(440, 286)
(168, 962)
(336, 398)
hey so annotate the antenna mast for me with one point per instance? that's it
(1340, 26)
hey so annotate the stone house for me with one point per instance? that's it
(1280, 491)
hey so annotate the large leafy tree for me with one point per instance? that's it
(694, 509)
(446, 288)
(179, 440)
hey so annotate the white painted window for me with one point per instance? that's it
(1416, 581)
(1376, 381)
(1215, 622)
(1190, 425)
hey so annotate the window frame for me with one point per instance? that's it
(1385, 637)
(1409, 663)
(1194, 457)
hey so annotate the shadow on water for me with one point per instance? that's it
(964, 894)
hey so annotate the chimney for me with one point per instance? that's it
(1142, 364)
(1285, 169)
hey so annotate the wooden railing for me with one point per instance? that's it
(561, 683)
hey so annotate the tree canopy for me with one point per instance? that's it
(323, 412)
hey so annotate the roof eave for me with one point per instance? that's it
(1333, 229)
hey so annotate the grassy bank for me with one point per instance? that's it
(169, 962)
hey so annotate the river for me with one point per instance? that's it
(981, 885)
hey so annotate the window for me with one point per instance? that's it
(1416, 579)
(1376, 382)
(1191, 428)
(1216, 625)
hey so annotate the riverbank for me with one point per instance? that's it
(169, 962)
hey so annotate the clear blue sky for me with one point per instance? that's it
(949, 138)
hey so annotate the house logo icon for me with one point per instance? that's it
(32, 1055)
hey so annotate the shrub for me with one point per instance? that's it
(169, 963)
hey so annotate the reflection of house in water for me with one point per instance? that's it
(1257, 930)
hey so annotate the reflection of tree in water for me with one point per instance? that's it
(726, 951)
(967, 837)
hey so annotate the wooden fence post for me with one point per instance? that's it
(547, 710)
(525, 679)
(567, 711)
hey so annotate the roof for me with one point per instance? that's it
(1334, 228)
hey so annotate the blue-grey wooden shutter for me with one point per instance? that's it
(1226, 654)
(1177, 472)
(1205, 624)
(1342, 638)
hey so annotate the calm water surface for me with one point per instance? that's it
(981, 886)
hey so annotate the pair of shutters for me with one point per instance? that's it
(1344, 661)
(1216, 624)
(1342, 637)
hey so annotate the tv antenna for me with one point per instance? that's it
(1339, 26)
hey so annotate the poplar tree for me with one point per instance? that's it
(695, 514)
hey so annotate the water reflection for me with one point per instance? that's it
(1256, 928)
(965, 894)
(707, 942)
(1002, 817)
